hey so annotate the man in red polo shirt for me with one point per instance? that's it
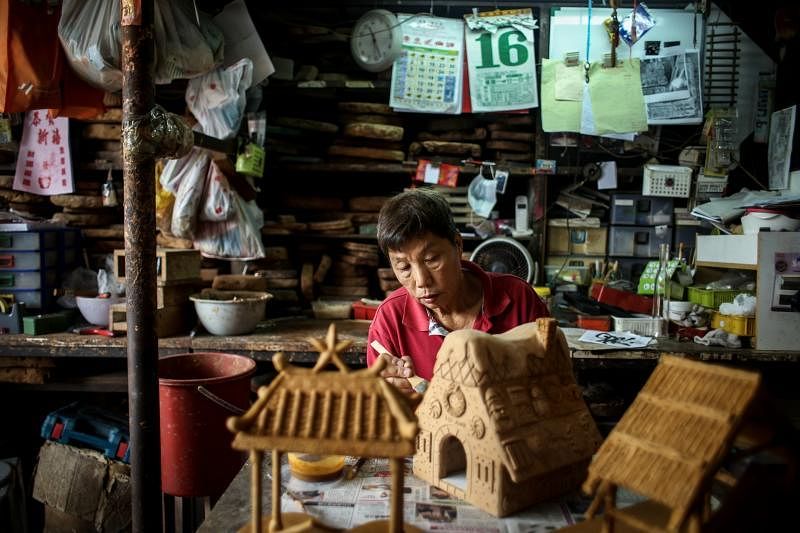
(440, 292)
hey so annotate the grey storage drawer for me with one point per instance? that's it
(638, 241)
(638, 210)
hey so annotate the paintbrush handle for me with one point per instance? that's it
(417, 383)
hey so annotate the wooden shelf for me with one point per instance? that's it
(714, 264)
(388, 168)
(381, 85)
(355, 168)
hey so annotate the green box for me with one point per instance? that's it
(49, 323)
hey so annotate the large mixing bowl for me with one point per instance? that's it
(95, 310)
(230, 312)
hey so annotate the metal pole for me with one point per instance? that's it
(140, 265)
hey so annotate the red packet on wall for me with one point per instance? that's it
(436, 173)
(44, 165)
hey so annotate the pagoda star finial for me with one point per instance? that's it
(329, 350)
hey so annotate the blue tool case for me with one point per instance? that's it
(90, 427)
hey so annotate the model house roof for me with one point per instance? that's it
(474, 359)
(676, 432)
(339, 412)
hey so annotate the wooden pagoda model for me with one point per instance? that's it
(503, 423)
(341, 412)
(669, 447)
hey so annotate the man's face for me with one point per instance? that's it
(429, 268)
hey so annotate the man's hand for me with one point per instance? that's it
(397, 371)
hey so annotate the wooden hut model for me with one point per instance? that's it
(344, 413)
(503, 424)
(669, 446)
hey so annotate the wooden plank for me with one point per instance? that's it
(366, 153)
(106, 132)
(172, 265)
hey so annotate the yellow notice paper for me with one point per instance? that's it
(617, 98)
(558, 115)
(569, 82)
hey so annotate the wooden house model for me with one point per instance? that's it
(342, 412)
(670, 446)
(503, 424)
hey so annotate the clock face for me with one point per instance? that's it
(375, 41)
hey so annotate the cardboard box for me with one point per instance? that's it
(83, 484)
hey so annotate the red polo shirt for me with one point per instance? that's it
(401, 322)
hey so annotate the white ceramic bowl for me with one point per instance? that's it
(95, 310)
(230, 312)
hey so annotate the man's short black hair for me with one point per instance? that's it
(411, 214)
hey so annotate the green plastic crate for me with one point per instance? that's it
(712, 298)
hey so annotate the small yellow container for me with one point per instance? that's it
(315, 467)
(744, 326)
(545, 295)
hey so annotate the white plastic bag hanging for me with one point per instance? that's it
(189, 195)
(238, 237)
(482, 195)
(184, 49)
(217, 99)
(175, 170)
(89, 34)
(218, 202)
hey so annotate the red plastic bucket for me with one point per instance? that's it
(196, 454)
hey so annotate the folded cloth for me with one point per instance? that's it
(719, 337)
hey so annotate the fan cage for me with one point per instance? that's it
(503, 254)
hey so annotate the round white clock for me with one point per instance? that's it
(376, 39)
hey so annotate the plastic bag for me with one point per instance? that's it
(217, 99)
(165, 201)
(238, 237)
(90, 35)
(80, 279)
(218, 199)
(482, 195)
(175, 170)
(189, 194)
(184, 50)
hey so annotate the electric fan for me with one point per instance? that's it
(503, 254)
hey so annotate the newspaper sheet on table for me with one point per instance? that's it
(348, 503)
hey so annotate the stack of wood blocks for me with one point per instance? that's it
(450, 140)
(512, 139)
(298, 140)
(353, 267)
(24, 203)
(364, 212)
(177, 277)
(280, 275)
(325, 215)
(370, 132)
(387, 281)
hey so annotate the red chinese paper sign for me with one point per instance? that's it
(43, 164)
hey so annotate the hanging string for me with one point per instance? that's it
(633, 28)
(588, 42)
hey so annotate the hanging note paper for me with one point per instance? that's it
(44, 165)
(558, 115)
(501, 60)
(569, 82)
(617, 100)
(427, 77)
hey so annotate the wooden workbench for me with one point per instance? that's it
(288, 335)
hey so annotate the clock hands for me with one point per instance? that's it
(375, 49)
